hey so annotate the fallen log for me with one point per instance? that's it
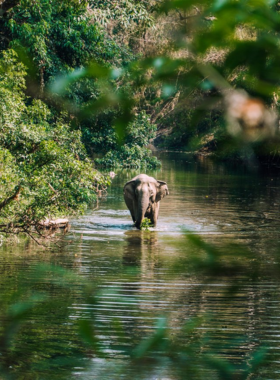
(56, 223)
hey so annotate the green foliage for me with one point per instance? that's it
(45, 172)
(127, 21)
(126, 13)
(189, 131)
(133, 152)
(233, 44)
(56, 42)
(58, 35)
(146, 224)
(65, 52)
(202, 67)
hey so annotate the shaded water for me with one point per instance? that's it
(137, 277)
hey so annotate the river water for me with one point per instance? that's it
(195, 297)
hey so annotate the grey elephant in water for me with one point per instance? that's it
(142, 196)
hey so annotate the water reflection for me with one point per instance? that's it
(141, 246)
(138, 276)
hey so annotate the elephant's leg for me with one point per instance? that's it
(130, 206)
(157, 211)
(133, 216)
(155, 214)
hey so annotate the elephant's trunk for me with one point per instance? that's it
(142, 206)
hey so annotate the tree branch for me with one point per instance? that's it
(182, 18)
(11, 198)
(33, 238)
(207, 18)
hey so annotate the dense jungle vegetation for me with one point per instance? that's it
(85, 78)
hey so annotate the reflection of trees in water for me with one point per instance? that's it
(31, 281)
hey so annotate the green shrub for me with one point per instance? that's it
(133, 153)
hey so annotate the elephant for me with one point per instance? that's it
(142, 196)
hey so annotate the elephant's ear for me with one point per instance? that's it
(129, 189)
(162, 190)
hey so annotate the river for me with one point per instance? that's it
(195, 297)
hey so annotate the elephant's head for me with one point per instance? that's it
(142, 194)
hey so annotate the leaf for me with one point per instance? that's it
(87, 332)
(155, 341)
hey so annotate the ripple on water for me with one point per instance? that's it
(111, 222)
